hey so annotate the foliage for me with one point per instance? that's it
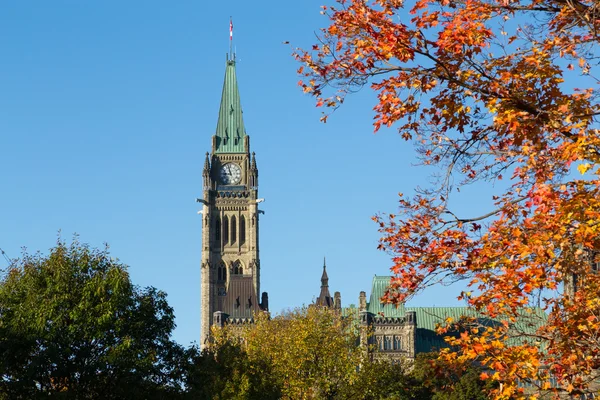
(73, 326)
(464, 383)
(312, 352)
(488, 90)
(385, 380)
(225, 372)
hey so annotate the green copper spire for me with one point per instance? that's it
(230, 133)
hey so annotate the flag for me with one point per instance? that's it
(230, 30)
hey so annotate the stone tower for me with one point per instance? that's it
(230, 268)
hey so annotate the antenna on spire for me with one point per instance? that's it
(230, 38)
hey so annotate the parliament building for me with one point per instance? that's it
(230, 266)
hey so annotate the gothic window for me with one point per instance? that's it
(242, 230)
(221, 272)
(379, 343)
(225, 229)
(218, 230)
(233, 230)
(397, 343)
(237, 268)
(387, 343)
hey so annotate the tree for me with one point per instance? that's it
(450, 384)
(72, 325)
(488, 90)
(379, 380)
(225, 372)
(312, 353)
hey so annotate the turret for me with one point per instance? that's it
(362, 301)
(253, 172)
(337, 301)
(324, 299)
(206, 172)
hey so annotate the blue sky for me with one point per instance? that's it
(108, 107)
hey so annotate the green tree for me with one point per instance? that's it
(72, 325)
(379, 380)
(226, 373)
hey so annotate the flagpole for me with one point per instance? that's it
(230, 38)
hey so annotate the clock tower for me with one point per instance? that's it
(230, 268)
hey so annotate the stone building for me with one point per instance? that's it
(230, 267)
(401, 332)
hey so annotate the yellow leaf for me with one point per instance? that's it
(582, 168)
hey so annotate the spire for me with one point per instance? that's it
(230, 134)
(206, 172)
(206, 163)
(324, 277)
(324, 299)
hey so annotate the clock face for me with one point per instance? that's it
(231, 174)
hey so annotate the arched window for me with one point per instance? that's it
(233, 230)
(387, 343)
(218, 230)
(242, 230)
(221, 272)
(238, 269)
(225, 229)
(397, 343)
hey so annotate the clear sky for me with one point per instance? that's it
(108, 107)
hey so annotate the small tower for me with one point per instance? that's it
(325, 299)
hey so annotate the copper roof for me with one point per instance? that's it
(241, 300)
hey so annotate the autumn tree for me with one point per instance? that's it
(312, 352)
(488, 90)
(73, 326)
